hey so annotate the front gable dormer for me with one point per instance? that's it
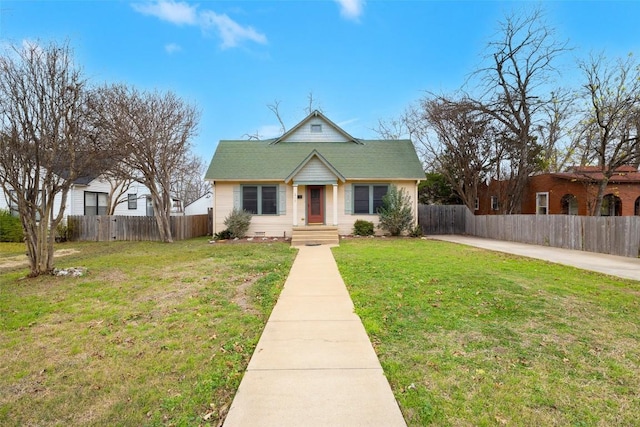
(315, 168)
(316, 127)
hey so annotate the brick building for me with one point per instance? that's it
(571, 193)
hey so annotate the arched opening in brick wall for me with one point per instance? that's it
(636, 208)
(611, 205)
(569, 204)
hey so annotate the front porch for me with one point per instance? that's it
(315, 235)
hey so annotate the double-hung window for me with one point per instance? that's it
(367, 199)
(132, 202)
(260, 199)
(494, 203)
(542, 203)
(95, 203)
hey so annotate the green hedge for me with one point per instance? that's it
(10, 227)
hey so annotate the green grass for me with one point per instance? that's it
(160, 334)
(154, 334)
(474, 338)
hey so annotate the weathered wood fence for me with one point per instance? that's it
(108, 228)
(608, 235)
(437, 219)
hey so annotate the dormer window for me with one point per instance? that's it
(316, 128)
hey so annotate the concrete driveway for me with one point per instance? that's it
(624, 267)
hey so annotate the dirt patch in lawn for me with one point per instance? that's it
(21, 260)
(242, 297)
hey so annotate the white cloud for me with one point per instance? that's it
(172, 48)
(230, 31)
(181, 13)
(175, 12)
(351, 9)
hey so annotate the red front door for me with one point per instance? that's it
(315, 204)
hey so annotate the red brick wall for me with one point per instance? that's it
(557, 188)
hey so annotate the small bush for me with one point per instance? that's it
(223, 235)
(395, 213)
(238, 223)
(63, 232)
(363, 228)
(10, 227)
(416, 231)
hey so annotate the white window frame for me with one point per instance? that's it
(132, 201)
(477, 204)
(542, 208)
(316, 128)
(495, 205)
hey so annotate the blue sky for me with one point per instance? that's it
(362, 60)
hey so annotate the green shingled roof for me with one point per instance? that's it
(366, 160)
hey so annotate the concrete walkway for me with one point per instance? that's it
(314, 364)
(625, 267)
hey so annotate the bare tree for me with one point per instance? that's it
(393, 128)
(188, 181)
(275, 109)
(311, 104)
(155, 129)
(554, 132)
(121, 179)
(46, 141)
(516, 84)
(460, 141)
(611, 118)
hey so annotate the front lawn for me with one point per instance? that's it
(154, 334)
(469, 337)
(160, 334)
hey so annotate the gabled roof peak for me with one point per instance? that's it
(316, 133)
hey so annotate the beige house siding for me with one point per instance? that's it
(327, 134)
(269, 225)
(282, 225)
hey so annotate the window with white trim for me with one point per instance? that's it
(542, 203)
(95, 203)
(316, 128)
(367, 199)
(477, 204)
(494, 203)
(132, 201)
(260, 199)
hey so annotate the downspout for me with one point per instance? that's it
(213, 208)
(415, 203)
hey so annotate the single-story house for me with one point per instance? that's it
(315, 178)
(572, 192)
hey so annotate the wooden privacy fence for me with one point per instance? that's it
(442, 219)
(618, 235)
(108, 228)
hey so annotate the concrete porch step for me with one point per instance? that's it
(315, 235)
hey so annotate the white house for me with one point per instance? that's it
(200, 206)
(88, 196)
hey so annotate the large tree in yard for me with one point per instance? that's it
(46, 140)
(460, 140)
(612, 117)
(516, 84)
(155, 130)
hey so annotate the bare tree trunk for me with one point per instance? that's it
(602, 187)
